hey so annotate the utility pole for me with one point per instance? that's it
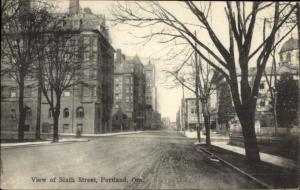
(183, 112)
(197, 93)
(298, 26)
(298, 130)
(39, 104)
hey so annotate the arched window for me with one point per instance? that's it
(80, 112)
(66, 112)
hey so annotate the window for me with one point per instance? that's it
(28, 92)
(13, 113)
(117, 96)
(86, 91)
(66, 112)
(94, 91)
(288, 56)
(86, 57)
(76, 91)
(80, 112)
(67, 93)
(50, 113)
(262, 86)
(92, 74)
(192, 110)
(94, 57)
(128, 89)
(86, 40)
(262, 103)
(127, 99)
(13, 92)
(28, 112)
(94, 44)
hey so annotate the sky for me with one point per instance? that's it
(124, 37)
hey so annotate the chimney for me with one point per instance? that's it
(74, 7)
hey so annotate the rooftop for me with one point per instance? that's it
(289, 45)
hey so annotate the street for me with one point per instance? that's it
(148, 160)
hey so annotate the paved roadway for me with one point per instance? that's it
(148, 160)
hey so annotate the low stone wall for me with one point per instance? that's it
(284, 146)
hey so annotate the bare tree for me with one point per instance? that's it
(228, 61)
(61, 68)
(9, 12)
(18, 51)
(199, 82)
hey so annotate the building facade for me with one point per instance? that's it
(129, 93)
(85, 107)
(153, 117)
(187, 115)
(288, 65)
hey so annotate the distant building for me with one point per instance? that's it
(288, 66)
(151, 89)
(129, 93)
(153, 118)
(86, 107)
(166, 122)
(187, 115)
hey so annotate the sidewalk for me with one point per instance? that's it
(272, 159)
(46, 142)
(97, 135)
(65, 140)
(214, 136)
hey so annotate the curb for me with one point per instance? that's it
(44, 144)
(110, 134)
(236, 168)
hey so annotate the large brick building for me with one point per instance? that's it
(129, 93)
(86, 107)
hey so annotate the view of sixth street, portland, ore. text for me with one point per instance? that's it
(114, 94)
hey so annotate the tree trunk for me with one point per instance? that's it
(56, 119)
(38, 116)
(22, 113)
(207, 128)
(250, 142)
(55, 128)
(298, 26)
(198, 118)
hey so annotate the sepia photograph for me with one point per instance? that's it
(147, 94)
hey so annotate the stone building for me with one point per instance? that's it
(151, 89)
(129, 93)
(86, 107)
(187, 115)
(153, 117)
